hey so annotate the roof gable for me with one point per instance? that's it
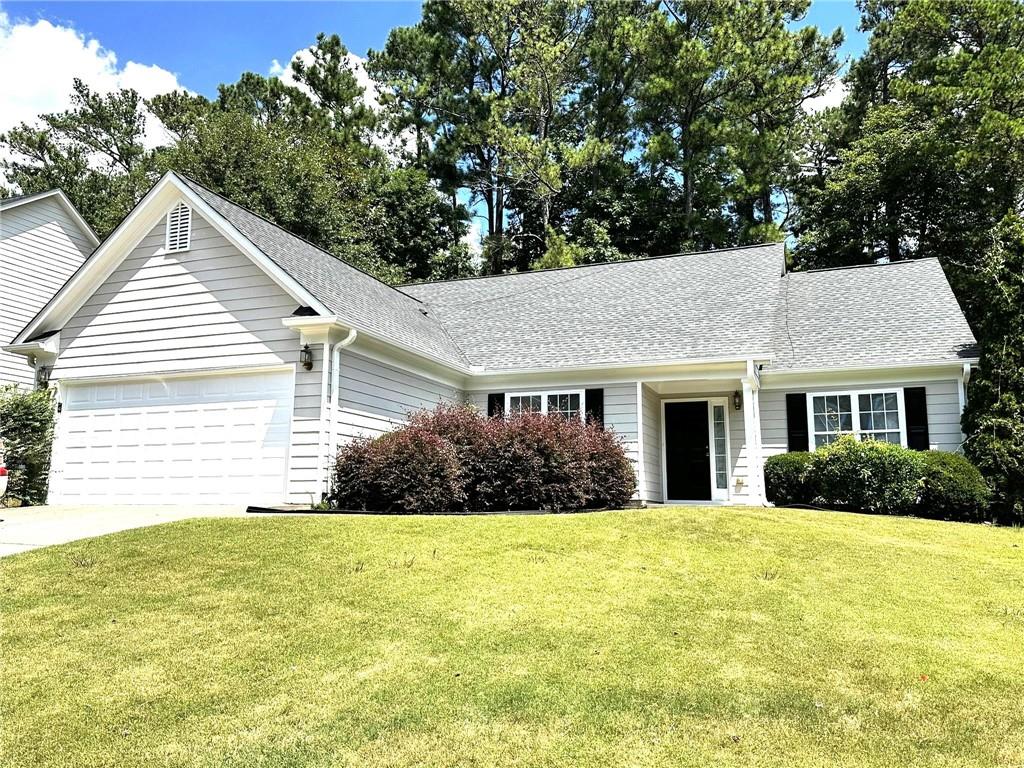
(356, 298)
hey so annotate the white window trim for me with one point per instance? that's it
(543, 393)
(717, 494)
(854, 395)
(167, 228)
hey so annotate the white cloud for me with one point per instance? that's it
(39, 60)
(832, 97)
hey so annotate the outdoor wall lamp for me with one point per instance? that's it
(306, 358)
(737, 400)
(42, 377)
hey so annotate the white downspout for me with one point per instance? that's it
(332, 421)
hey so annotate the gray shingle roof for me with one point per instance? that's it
(353, 295)
(730, 303)
(715, 304)
(904, 312)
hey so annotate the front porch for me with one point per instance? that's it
(699, 438)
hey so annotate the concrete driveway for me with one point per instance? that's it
(25, 528)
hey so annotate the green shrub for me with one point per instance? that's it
(868, 475)
(26, 431)
(785, 478)
(953, 489)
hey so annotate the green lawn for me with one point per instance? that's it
(669, 637)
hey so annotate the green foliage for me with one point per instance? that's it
(952, 489)
(994, 420)
(785, 478)
(93, 151)
(560, 252)
(26, 435)
(866, 475)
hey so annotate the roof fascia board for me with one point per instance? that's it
(730, 370)
(65, 203)
(934, 371)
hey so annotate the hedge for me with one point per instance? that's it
(875, 476)
(453, 459)
(785, 478)
(26, 433)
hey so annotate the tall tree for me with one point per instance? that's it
(94, 152)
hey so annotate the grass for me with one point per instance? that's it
(669, 637)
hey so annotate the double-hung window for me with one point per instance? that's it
(567, 403)
(869, 415)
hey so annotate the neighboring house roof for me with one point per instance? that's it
(688, 307)
(903, 312)
(8, 203)
(353, 295)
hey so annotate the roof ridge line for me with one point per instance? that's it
(634, 260)
(862, 266)
(297, 237)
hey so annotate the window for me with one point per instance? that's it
(179, 228)
(568, 404)
(877, 416)
(721, 450)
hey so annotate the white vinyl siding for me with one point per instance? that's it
(651, 414)
(375, 397)
(41, 246)
(941, 397)
(208, 307)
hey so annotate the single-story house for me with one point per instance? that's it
(203, 354)
(43, 240)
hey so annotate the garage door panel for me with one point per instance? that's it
(204, 439)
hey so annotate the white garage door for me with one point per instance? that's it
(202, 439)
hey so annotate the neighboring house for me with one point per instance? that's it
(204, 354)
(43, 240)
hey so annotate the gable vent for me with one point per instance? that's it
(179, 228)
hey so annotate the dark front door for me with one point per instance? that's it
(687, 451)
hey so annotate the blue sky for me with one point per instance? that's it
(205, 44)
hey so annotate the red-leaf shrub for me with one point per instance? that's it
(612, 479)
(542, 461)
(408, 471)
(523, 462)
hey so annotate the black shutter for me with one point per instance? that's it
(495, 404)
(917, 418)
(593, 406)
(796, 421)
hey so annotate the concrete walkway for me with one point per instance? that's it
(25, 528)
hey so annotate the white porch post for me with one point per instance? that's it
(752, 434)
(641, 469)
